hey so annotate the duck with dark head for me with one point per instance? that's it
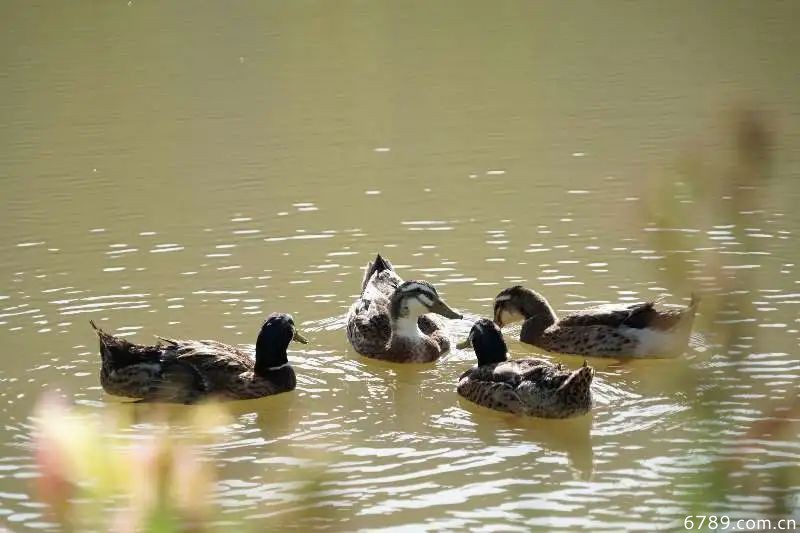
(185, 371)
(533, 387)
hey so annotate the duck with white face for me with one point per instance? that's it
(396, 321)
(613, 330)
(532, 387)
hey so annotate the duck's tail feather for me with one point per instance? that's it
(179, 382)
(171, 342)
(117, 352)
(579, 380)
(94, 325)
(672, 318)
(686, 316)
(378, 265)
(687, 320)
(109, 341)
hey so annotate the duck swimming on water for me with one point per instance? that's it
(533, 387)
(614, 330)
(391, 319)
(185, 371)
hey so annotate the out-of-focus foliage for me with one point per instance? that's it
(705, 189)
(723, 188)
(161, 483)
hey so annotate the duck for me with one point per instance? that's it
(531, 387)
(186, 371)
(614, 330)
(394, 320)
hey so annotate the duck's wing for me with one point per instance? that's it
(553, 391)
(521, 373)
(638, 315)
(671, 317)
(430, 323)
(178, 382)
(489, 389)
(213, 357)
(434, 327)
(369, 327)
(548, 375)
(210, 362)
(248, 386)
(533, 369)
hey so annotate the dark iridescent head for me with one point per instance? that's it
(276, 333)
(518, 303)
(415, 298)
(487, 341)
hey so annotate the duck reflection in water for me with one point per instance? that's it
(571, 436)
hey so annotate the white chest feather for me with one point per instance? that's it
(407, 328)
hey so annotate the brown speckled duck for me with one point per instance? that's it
(532, 387)
(391, 320)
(614, 330)
(184, 371)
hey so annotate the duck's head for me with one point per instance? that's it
(487, 341)
(518, 303)
(415, 298)
(276, 334)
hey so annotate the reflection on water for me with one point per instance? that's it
(187, 171)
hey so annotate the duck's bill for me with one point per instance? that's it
(441, 308)
(297, 337)
(464, 345)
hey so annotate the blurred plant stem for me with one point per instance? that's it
(702, 195)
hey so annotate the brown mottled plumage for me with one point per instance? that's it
(614, 330)
(532, 387)
(184, 371)
(391, 320)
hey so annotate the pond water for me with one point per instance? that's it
(187, 169)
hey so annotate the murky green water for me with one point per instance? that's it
(187, 169)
